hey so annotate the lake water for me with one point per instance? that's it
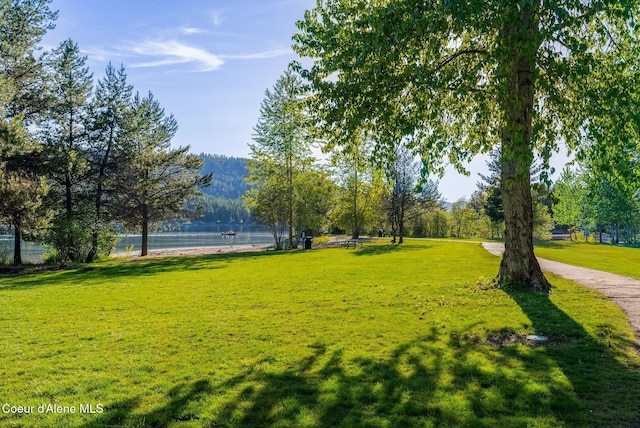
(187, 236)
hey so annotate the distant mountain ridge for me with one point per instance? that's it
(227, 181)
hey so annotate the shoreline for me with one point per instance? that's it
(196, 251)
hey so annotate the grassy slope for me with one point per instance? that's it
(608, 258)
(380, 336)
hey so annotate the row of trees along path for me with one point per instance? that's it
(622, 290)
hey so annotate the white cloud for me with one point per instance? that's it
(191, 30)
(259, 55)
(174, 52)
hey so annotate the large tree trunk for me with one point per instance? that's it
(401, 219)
(95, 233)
(93, 251)
(355, 234)
(145, 238)
(519, 264)
(145, 232)
(17, 238)
(290, 197)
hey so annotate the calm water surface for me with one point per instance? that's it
(187, 236)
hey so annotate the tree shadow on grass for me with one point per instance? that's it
(139, 267)
(600, 374)
(441, 379)
(420, 384)
(122, 413)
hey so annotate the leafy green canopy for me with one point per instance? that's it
(280, 156)
(436, 72)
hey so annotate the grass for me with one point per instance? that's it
(609, 258)
(381, 336)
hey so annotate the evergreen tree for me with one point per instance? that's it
(22, 188)
(65, 135)
(23, 82)
(23, 23)
(155, 181)
(492, 189)
(228, 175)
(107, 146)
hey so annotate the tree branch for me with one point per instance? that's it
(469, 89)
(444, 62)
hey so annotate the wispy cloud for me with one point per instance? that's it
(103, 55)
(217, 17)
(174, 52)
(191, 30)
(260, 55)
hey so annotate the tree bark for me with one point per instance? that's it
(145, 238)
(356, 228)
(519, 264)
(145, 233)
(401, 219)
(95, 232)
(17, 238)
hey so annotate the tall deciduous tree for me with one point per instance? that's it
(155, 180)
(611, 204)
(282, 145)
(570, 193)
(352, 170)
(315, 191)
(459, 78)
(403, 174)
(266, 197)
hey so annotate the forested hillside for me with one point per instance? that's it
(221, 200)
(228, 176)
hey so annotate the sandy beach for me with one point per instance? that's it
(199, 251)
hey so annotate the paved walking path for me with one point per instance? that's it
(622, 290)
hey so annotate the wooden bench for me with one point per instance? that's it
(351, 243)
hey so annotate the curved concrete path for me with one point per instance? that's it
(622, 290)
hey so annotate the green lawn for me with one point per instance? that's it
(608, 258)
(381, 336)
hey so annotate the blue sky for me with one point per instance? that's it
(207, 61)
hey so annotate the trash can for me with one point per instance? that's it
(307, 242)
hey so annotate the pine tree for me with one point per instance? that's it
(154, 181)
(22, 188)
(109, 112)
(24, 99)
(65, 134)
